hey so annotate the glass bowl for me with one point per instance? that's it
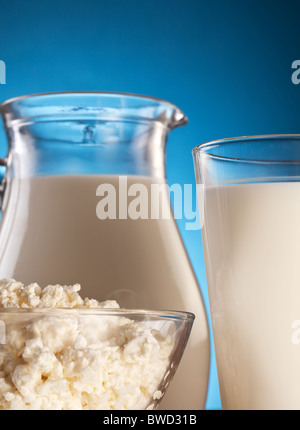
(89, 358)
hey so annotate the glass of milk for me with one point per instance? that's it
(249, 202)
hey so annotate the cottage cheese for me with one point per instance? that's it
(75, 359)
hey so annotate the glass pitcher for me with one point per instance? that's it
(75, 164)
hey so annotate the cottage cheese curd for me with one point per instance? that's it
(74, 358)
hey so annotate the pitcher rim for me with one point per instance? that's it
(180, 117)
(116, 93)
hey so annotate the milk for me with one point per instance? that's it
(51, 234)
(251, 236)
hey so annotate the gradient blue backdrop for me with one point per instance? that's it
(226, 64)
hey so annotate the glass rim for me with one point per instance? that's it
(96, 311)
(179, 117)
(203, 147)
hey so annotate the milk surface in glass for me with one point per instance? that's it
(251, 236)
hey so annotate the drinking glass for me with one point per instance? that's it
(249, 202)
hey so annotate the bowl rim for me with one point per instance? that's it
(122, 312)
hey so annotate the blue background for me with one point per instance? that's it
(226, 64)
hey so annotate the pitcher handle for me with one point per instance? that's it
(3, 170)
